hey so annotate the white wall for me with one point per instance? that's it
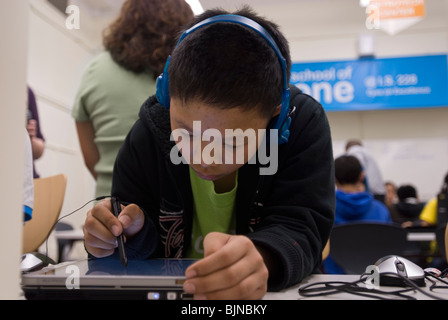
(57, 58)
(12, 123)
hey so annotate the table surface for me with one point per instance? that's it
(293, 294)
(79, 235)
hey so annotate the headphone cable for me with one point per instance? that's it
(66, 216)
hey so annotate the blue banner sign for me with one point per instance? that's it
(374, 84)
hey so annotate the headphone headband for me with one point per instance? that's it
(246, 22)
(282, 122)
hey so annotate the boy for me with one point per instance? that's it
(353, 202)
(253, 232)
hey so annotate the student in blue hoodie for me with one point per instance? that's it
(353, 202)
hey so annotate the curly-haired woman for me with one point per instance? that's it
(119, 80)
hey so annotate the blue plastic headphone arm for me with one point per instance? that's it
(247, 23)
(283, 122)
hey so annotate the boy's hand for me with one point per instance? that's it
(102, 228)
(232, 268)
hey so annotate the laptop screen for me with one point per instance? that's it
(107, 277)
(112, 267)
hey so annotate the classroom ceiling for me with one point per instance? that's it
(289, 14)
(298, 19)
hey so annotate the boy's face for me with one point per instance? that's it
(216, 142)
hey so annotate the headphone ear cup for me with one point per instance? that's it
(163, 87)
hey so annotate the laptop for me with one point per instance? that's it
(106, 278)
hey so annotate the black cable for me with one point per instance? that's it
(434, 283)
(412, 284)
(68, 215)
(334, 287)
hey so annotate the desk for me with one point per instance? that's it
(292, 293)
(73, 235)
(421, 236)
(68, 237)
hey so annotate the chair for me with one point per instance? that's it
(49, 194)
(441, 238)
(446, 244)
(355, 246)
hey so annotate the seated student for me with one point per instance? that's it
(373, 177)
(260, 230)
(408, 207)
(433, 208)
(353, 203)
(391, 198)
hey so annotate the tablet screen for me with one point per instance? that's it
(112, 266)
(154, 267)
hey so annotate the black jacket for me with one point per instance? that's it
(290, 213)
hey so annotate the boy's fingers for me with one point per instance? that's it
(235, 268)
(96, 229)
(219, 252)
(103, 213)
(214, 241)
(98, 240)
(131, 219)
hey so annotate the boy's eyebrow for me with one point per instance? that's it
(183, 125)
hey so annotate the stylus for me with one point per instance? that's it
(116, 207)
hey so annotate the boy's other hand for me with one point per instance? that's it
(232, 269)
(102, 228)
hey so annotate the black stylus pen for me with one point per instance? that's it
(116, 207)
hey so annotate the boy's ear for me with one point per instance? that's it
(361, 177)
(277, 111)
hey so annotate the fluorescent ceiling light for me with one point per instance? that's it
(364, 3)
(195, 6)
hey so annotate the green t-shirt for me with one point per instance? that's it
(110, 97)
(213, 212)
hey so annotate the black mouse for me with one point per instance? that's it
(393, 269)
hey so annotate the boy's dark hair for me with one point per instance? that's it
(347, 169)
(405, 192)
(229, 65)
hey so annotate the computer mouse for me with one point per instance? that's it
(34, 261)
(394, 270)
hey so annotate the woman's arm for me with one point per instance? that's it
(86, 135)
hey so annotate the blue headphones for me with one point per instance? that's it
(284, 121)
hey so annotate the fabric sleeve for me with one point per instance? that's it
(429, 212)
(299, 207)
(132, 184)
(28, 181)
(80, 109)
(34, 112)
